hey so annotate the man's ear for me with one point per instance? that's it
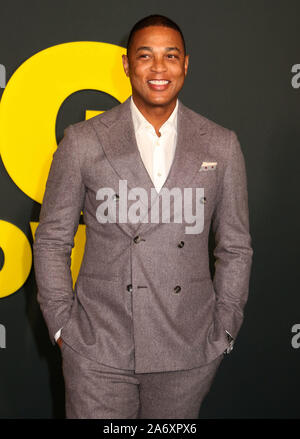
(186, 64)
(125, 64)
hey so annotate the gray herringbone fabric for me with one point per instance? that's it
(153, 326)
(96, 391)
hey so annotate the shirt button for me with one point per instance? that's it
(159, 174)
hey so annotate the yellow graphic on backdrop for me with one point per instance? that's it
(17, 258)
(28, 112)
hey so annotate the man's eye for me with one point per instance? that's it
(172, 56)
(144, 55)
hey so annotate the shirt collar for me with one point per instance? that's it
(139, 121)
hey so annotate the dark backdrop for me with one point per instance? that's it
(240, 75)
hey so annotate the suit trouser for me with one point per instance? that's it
(97, 391)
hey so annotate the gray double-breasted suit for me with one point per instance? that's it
(144, 298)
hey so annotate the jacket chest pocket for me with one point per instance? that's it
(206, 185)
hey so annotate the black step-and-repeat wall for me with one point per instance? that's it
(59, 64)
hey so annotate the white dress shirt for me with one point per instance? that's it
(157, 153)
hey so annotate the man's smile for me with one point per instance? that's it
(158, 84)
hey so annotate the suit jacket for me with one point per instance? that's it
(144, 298)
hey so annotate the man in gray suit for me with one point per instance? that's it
(146, 327)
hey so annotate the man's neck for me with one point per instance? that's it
(157, 115)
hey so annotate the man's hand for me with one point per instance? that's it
(59, 342)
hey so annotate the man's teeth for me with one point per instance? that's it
(156, 82)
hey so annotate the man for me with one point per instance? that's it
(146, 327)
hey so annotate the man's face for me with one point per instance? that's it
(156, 54)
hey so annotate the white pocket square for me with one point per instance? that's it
(208, 166)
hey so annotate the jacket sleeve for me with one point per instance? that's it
(233, 251)
(54, 239)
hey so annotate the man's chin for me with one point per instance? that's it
(152, 101)
(160, 101)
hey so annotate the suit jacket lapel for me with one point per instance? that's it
(120, 146)
(190, 150)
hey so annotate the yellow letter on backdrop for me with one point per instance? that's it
(28, 112)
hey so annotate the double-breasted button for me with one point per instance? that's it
(129, 288)
(177, 289)
(138, 239)
(203, 200)
(181, 244)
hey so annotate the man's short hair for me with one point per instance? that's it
(154, 20)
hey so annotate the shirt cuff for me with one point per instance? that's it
(57, 335)
(231, 343)
(229, 334)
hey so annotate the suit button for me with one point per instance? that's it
(138, 239)
(203, 200)
(181, 244)
(115, 197)
(177, 289)
(129, 288)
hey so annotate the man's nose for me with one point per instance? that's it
(158, 64)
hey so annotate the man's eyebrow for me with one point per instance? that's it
(168, 49)
(173, 48)
(144, 48)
